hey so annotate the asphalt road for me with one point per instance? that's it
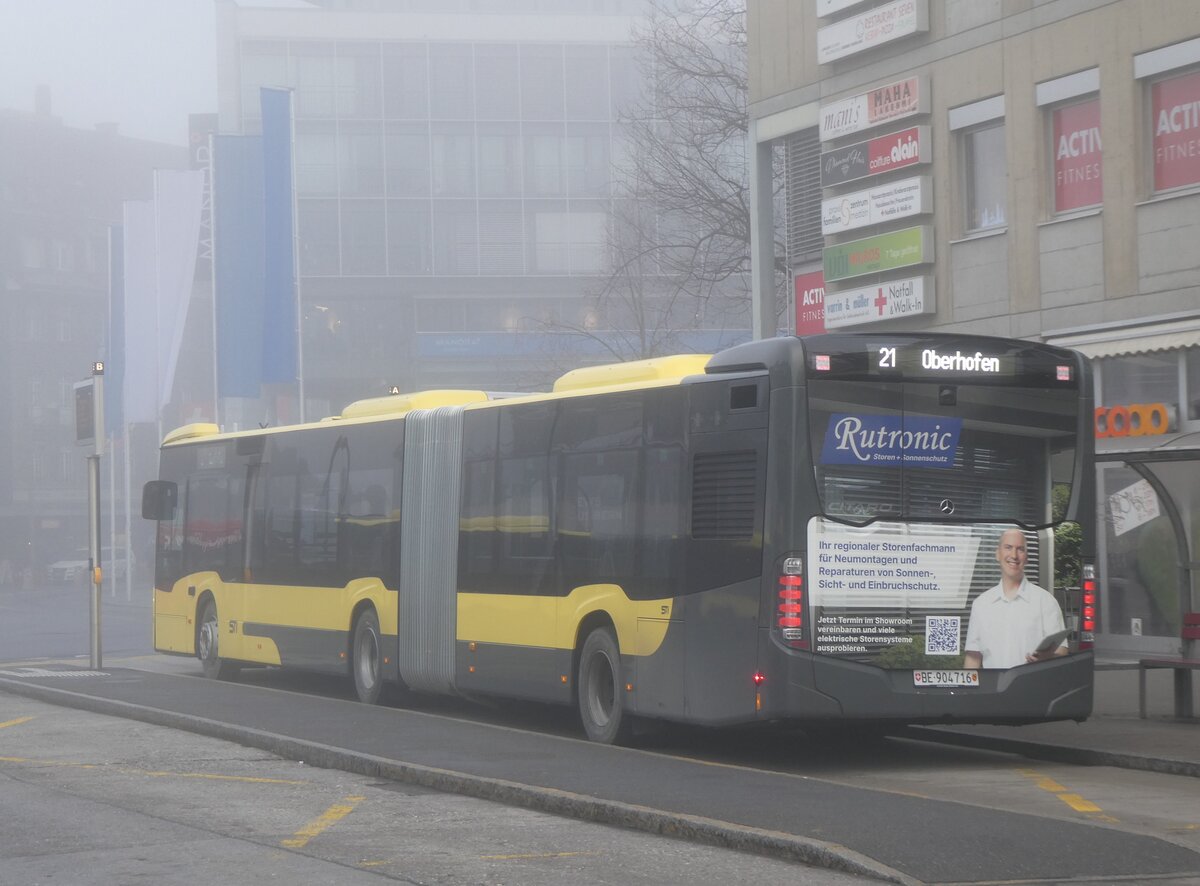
(88, 799)
(908, 836)
(914, 812)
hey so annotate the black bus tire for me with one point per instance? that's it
(366, 658)
(208, 634)
(601, 708)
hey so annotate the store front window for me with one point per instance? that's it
(1139, 396)
(1148, 495)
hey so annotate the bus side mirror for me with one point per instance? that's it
(158, 499)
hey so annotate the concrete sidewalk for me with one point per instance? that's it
(1113, 736)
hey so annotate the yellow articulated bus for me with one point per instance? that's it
(648, 539)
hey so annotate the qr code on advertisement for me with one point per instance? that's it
(941, 634)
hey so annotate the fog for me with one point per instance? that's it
(142, 64)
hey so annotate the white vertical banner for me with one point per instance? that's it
(140, 383)
(178, 196)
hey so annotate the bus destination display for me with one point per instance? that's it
(912, 360)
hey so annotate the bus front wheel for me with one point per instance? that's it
(365, 658)
(207, 645)
(599, 686)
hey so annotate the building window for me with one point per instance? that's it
(408, 236)
(589, 237)
(501, 237)
(985, 170)
(1175, 132)
(542, 82)
(547, 223)
(453, 161)
(455, 237)
(1072, 108)
(587, 83)
(1172, 75)
(363, 239)
(317, 221)
(980, 140)
(316, 160)
(405, 82)
(499, 160)
(451, 78)
(406, 147)
(587, 160)
(544, 163)
(497, 83)
(1076, 157)
(360, 160)
(315, 89)
(357, 82)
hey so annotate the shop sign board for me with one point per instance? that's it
(884, 301)
(884, 153)
(875, 27)
(883, 203)
(1134, 420)
(884, 104)
(810, 303)
(883, 252)
(1175, 105)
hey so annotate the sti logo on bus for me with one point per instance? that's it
(885, 441)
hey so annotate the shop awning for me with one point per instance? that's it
(1132, 340)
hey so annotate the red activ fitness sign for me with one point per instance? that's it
(1175, 105)
(1077, 161)
(810, 303)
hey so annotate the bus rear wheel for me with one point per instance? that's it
(601, 708)
(207, 645)
(365, 658)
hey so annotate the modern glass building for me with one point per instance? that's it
(454, 180)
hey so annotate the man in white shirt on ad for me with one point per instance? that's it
(1009, 621)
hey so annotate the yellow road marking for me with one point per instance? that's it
(536, 855)
(16, 722)
(1079, 804)
(326, 819)
(152, 773)
(1075, 801)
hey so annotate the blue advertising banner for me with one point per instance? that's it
(115, 356)
(279, 308)
(238, 262)
(884, 441)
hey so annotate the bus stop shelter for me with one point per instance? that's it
(1151, 529)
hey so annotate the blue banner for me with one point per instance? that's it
(279, 308)
(114, 358)
(887, 441)
(238, 263)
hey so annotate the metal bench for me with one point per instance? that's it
(1181, 666)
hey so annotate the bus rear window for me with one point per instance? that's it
(941, 451)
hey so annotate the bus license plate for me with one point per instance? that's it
(946, 678)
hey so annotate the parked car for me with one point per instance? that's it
(75, 568)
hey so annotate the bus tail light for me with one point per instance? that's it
(789, 603)
(1089, 609)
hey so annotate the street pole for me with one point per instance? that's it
(94, 508)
